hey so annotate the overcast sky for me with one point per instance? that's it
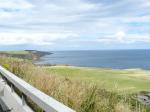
(74, 24)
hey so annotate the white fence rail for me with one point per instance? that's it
(47, 103)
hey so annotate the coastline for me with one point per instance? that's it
(32, 55)
(120, 81)
(35, 55)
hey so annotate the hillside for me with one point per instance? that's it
(26, 54)
(85, 89)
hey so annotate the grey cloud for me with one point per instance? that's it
(81, 17)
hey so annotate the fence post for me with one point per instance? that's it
(23, 97)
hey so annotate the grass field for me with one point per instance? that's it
(131, 80)
(15, 52)
(85, 89)
(31, 55)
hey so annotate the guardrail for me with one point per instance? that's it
(47, 103)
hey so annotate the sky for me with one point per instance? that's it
(74, 24)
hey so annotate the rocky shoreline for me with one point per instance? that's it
(36, 55)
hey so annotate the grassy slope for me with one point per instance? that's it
(66, 84)
(16, 52)
(27, 54)
(133, 80)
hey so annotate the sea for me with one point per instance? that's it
(114, 59)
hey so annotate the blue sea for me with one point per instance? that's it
(116, 59)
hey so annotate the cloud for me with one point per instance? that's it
(33, 38)
(49, 22)
(11, 5)
(122, 37)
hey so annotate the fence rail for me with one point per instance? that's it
(47, 103)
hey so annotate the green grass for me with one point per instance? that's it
(134, 80)
(85, 89)
(16, 52)
(19, 54)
